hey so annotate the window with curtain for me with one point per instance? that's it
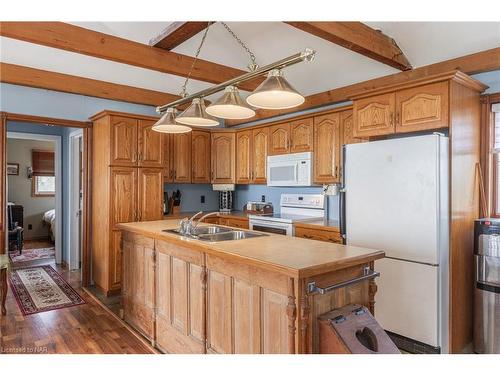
(43, 180)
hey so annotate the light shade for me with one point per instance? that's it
(230, 106)
(167, 124)
(196, 115)
(275, 93)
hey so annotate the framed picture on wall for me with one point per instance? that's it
(13, 169)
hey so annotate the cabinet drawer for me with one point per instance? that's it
(318, 234)
(237, 223)
(212, 220)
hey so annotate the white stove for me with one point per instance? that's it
(294, 208)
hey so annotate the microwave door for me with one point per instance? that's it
(282, 174)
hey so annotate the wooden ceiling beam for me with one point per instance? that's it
(43, 79)
(177, 33)
(485, 61)
(360, 38)
(92, 43)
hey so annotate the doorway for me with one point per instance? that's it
(34, 197)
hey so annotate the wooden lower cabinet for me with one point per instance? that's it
(180, 299)
(138, 283)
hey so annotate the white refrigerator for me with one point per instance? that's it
(395, 199)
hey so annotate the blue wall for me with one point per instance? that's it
(40, 102)
(191, 196)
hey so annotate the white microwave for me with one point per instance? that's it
(289, 169)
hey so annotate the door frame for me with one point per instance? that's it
(87, 166)
(73, 220)
(57, 139)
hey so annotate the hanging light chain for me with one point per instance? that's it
(253, 66)
(184, 92)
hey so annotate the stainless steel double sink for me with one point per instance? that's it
(216, 233)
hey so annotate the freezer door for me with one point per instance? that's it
(407, 300)
(393, 196)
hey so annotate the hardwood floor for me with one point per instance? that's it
(87, 328)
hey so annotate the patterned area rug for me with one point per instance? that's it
(33, 254)
(39, 289)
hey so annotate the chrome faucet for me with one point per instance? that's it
(203, 218)
(186, 225)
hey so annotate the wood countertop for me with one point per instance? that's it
(296, 257)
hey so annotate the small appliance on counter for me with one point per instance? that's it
(258, 208)
(226, 192)
(487, 286)
(294, 208)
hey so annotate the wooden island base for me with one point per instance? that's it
(245, 296)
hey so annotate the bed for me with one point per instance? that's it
(49, 218)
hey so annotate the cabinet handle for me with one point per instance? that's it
(212, 174)
(175, 175)
(397, 118)
(391, 119)
(306, 236)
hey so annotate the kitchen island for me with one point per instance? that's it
(256, 295)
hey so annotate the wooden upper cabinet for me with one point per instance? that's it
(168, 164)
(200, 157)
(182, 157)
(374, 116)
(301, 135)
(123, 141)
(223, 155)
(244, 157)
(279, 139)
(123, 195)
(347, 128)
(327, 148)
(422, 108)
(259, 156)
(149, 145)
(150, 194)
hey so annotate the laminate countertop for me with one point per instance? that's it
(296, 257)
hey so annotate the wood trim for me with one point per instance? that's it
(46, 120)
(177, 33)
(87, 206)
(489, 160)
(480, 62)
(43, 79)
(98, 115)
(360, 38)
(92, 43)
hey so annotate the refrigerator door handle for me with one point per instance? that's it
(342, 199)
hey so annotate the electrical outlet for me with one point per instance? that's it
(263, 198)
(202, 199)
(30, 226)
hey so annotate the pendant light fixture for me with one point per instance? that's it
(196, 115)
(230, 106)
(167, 124)
(275, 93)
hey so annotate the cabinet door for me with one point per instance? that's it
(200, 171)
(279, 139)
(223, 155)
(374, 115)
(180, 299)
(182, 157)
(123, 195)
(244, 157)
(301, 135)
(168, 164)
(150, 145)
(138, 280)
(346, 128)
(259, 156)
(327, 148)
(150, 190)
(115, 260)
(422, 108)
(123, 141)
